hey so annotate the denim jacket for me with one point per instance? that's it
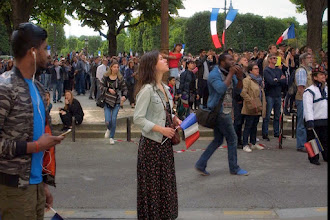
(217, 87)
(149, 110)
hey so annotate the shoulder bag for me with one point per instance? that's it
(207, 117)
(176, 138)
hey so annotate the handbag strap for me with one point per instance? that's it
(167, 113)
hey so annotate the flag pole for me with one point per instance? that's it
(167, 137)
(224, 27)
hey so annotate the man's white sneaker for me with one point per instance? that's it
(107, 134)
(247, 148)
(112, 141)
(257, 147)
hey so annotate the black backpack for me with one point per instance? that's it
(292, 87)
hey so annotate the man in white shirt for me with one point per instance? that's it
(100, 71)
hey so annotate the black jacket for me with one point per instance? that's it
(75, 109)
(54, 75)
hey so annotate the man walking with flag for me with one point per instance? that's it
(221, 82)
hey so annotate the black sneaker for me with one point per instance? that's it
(316, 163)
(265, 137)
(90, 98)
(303, 150)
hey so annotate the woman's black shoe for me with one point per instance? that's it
(316, 163)
(265, 137)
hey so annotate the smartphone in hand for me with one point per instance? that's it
(65, 133)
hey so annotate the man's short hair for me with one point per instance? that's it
(270, 46)
(26, 36)
(303, 57)
(272, 55)
(282, 44)
(201, 51)
(222, 57)
(170, 78)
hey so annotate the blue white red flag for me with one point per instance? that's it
(190, 129)
(213, 27)
(287, 34)
(231, 17)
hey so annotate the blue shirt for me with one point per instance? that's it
(38, 131)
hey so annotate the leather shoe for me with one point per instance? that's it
(302, 150)
(265, 137)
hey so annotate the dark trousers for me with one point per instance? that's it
(66, 85)
(130, 94)
(322, 133)
(87, 81)
(238, 120)
(250, 129)
(67, 119)
(80, 83)
(204, 91)
(288, 103)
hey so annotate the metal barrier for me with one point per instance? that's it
(73, 129)
(128, 129)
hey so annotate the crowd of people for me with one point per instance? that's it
(246, 86)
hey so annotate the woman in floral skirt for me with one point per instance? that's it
(156, 189)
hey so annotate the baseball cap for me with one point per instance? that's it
(282, 44)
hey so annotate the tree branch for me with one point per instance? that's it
(122, 26)
(93, 12)
(102, 34)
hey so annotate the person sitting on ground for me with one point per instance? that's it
(315, 102)
(71, 109)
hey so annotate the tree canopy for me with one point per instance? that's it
(116, 15)
(314, 11)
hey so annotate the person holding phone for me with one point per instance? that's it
(23, 126)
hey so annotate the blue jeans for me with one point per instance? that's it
(250, 129)
(80, 83)
(48, 78)
(110, 115)
(272, 102)
(42, 79)
(301, 130)
(57, 86)
(224, 128)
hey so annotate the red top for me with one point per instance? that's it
(174, 63)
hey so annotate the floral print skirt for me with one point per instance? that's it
(156, 182)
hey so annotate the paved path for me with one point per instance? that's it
(96, 180)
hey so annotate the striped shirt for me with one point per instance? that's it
(301, 77)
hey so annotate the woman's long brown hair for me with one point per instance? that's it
(109, 72)
(66, 107)
(147, 70)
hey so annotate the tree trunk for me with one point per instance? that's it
(315, 13)
(21, 10)
(164, 35)
(112, 38)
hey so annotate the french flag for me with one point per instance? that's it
(213, 27)
(229, 19)
(190, 128)
(287, 34)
